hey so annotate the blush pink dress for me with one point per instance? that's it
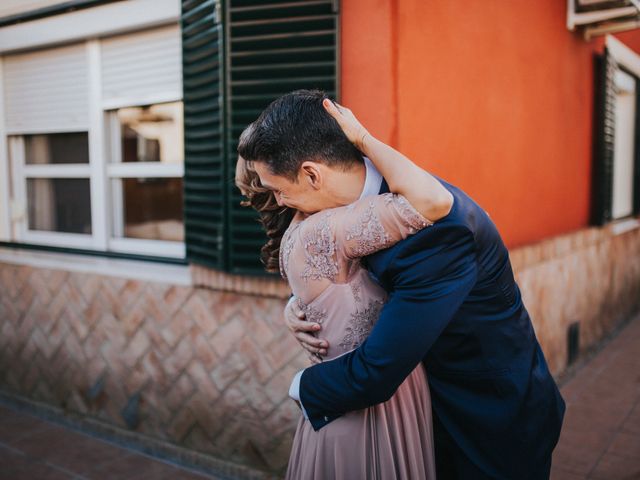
(319, 256)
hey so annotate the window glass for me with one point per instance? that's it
(59, 204)
(151, 208)
(54, 148)
(152, 133)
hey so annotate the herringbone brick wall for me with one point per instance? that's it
(198, 368)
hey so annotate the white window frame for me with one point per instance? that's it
(21, 173)
(630, 60)
(116, 170)
(99, 171)
(623, 166)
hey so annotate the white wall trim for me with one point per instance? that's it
(94, 22)
(114, 267)
(623, 55)
(5, 212)
(618, 227)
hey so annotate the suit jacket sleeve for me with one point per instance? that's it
(429, 277)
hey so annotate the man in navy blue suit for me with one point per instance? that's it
(453, 305)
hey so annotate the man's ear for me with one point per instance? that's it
(311, 174)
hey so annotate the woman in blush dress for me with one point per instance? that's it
(319, 255)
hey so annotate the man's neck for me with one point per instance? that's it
(348, 186)
(362, 180)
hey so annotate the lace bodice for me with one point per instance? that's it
(320, 257)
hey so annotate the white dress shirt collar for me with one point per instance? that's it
(373, 179)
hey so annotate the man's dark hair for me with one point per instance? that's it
(295, 128)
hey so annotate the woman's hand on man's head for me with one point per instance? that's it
(350, 125)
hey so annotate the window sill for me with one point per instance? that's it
(618, 227)
(123, 268)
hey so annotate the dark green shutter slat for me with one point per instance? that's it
(604, 135)
(205, 174)
(207, 108)
(264, 10)
(189, 5)
(195, 11)
(199, 159)
(272, 48)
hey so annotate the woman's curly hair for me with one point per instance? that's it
(274, 218)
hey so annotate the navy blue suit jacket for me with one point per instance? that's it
(455, 306)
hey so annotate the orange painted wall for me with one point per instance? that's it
(494, 96)
(368, 78)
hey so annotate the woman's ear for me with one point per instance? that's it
(311, 174)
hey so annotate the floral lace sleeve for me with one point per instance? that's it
(321, 249)
(375, 223)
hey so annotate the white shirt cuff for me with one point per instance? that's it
(294, 391)
(291, 299)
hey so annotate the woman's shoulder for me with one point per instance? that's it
(325, 223)
(327, 213)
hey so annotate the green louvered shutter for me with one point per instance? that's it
(604, 135)
(273, 47)
(204, 172)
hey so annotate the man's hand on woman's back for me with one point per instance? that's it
(303, 330)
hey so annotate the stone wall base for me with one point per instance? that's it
(590, 278)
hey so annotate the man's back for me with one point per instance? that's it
(495, 403)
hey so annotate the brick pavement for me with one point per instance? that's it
(601, 433)
(35, 449)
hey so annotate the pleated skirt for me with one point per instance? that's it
(391, 440)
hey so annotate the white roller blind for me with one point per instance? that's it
(143, 64)
(47, 90)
